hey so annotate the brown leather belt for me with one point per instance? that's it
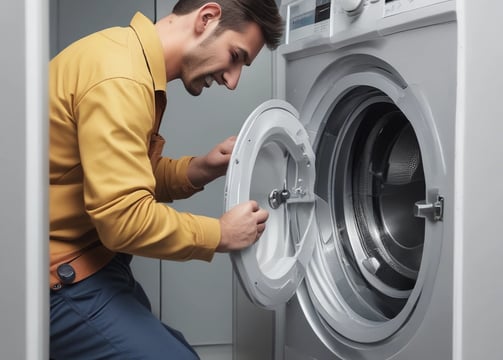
(80, 266)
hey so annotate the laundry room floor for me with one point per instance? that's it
(214, 352)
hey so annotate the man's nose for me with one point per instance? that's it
(231, 77)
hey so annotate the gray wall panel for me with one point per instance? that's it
(193, 126)
(77, 18)
(197, 298)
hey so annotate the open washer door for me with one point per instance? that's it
(274, 164)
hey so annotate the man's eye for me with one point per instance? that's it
(235, 57)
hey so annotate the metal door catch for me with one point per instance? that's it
(433, 210)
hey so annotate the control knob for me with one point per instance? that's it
(352, 7)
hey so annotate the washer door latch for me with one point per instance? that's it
(433, 208)
(278, 197)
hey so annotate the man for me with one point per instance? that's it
(108, 180)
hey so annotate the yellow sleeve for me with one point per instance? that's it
(172, 182)
(114, 125)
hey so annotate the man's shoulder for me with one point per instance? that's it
(115, 49)
(107, 54)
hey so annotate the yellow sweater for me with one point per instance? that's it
(102, 112)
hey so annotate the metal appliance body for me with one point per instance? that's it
(357, 258)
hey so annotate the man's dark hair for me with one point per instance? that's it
(237, 13)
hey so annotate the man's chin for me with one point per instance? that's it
(193, 90)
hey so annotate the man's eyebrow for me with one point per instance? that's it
(244, 55)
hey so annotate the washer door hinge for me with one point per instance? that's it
(433, 208)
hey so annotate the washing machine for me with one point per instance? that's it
(354, 159)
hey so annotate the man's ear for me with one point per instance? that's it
(206, 15)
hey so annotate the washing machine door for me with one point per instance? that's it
(273, 163)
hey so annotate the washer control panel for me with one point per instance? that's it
(308, 18)
(344, 19)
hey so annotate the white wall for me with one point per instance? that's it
(23, 190)
(478, 294)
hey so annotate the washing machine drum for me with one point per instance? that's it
(371, 175)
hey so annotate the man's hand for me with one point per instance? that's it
(241, 226)
(204, 169)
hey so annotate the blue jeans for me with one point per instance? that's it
(107, 316)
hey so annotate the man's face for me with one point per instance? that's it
(220, 58)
